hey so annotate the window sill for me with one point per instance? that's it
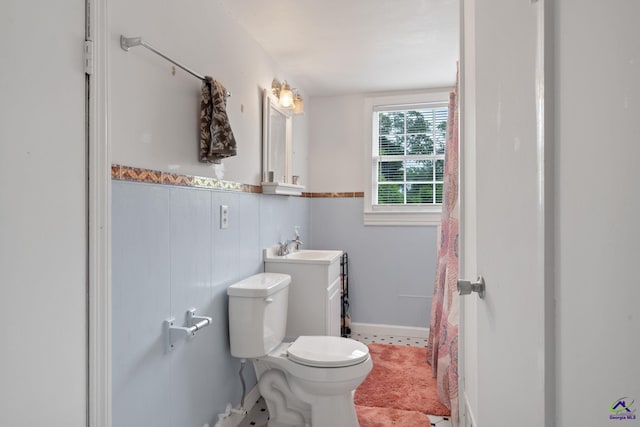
(402, 218)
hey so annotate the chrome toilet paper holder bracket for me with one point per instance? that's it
(174, 333)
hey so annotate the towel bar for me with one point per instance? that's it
(129, 42)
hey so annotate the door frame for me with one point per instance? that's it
(463, 403)
(99, 211)
(467, 268)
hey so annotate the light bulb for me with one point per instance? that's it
(286, 96)
(298, 104)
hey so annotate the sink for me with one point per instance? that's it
(304, 256)
(314, 292)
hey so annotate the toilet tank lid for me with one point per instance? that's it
(259, 285)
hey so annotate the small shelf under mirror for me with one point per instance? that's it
(282, 189)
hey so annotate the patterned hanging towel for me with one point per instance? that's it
(216, 137)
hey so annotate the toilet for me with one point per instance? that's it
(307, 382)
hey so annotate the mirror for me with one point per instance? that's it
(276, 148)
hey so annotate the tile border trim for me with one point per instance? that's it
(349, 194)
(150, 176)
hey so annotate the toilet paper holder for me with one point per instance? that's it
(173, 333)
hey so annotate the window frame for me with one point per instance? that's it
(374, 214)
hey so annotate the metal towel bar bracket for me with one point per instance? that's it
(173, 333)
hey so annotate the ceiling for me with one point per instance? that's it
(331, 47)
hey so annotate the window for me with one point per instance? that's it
(406, 153)
(409, 154)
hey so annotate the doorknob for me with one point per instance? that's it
(465, 287)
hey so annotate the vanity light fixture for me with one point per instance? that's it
(286, 97)
(298, 103)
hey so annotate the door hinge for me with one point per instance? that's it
(88, 57)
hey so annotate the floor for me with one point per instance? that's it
(259, 415)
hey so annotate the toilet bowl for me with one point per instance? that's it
(324, 381)
(307, 382)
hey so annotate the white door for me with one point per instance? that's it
(43, 220)
(503, 204)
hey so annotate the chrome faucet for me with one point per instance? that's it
(285, 248)
(282, 248)
(296, 242)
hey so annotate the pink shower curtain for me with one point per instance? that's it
(442, 349)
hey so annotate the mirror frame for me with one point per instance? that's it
(270, 104)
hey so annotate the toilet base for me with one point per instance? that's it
(285, 409)
(293, 401)
(333, 411)
(296, 408)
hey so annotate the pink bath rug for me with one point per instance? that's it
(386, 417)
(400, 379)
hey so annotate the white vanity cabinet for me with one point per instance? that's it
(314, 292)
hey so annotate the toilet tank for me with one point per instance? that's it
(258, 314)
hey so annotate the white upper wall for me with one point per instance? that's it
(155, 114)
(336, 150)
(339, 135)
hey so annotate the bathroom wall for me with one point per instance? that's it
(155, 114)
(338, 137)
(169, 255)
(336, 148)
(392, 267)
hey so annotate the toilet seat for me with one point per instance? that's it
(327, 351)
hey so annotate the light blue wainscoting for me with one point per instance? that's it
(391, 268)
(169, 255)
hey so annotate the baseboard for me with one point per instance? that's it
(237, 415)
(401, 331)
